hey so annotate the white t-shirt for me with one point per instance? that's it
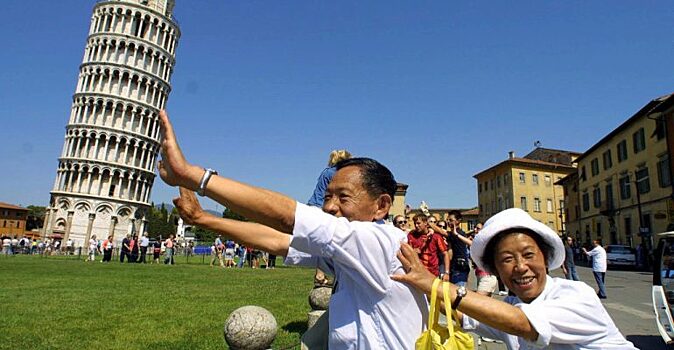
(368, 310)
(93, 245)
(598, 255)
(6, 242)
(144, 242)
(567, 315)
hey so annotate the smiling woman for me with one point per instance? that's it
(544, 312)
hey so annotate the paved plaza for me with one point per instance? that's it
(628, 303)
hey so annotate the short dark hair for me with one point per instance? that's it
(456, 213)
(489, 258)
(377, 179)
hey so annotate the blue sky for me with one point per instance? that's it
(435, 90)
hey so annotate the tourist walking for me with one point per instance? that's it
(459, 251)
(125, 249)
(107, 249)
(93, 248)
(169, 244)
(144, 244)
(569, 266)
(598, 255)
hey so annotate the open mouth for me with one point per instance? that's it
(524, 282)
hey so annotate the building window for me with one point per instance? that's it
(500, 204)
(582, 173)
(643, 184)
(537, 205)
(548, 180)
(549, 206)
(598, 229)
(4, 223)
(664, 175)
(622, 151)
(595, 166)
(523, 178)
(609, 196)
(505, 179)
(481, 211)
(659, 131)
(491, 184)
(534, 179)
(523, 203)
(586, 201)
(561, 204)
(608, 162)
(18, 224)
(479, 188)
(639, 141)
(498, 181)
(596, 197)
(625, 191)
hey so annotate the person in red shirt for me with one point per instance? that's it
(430, 246)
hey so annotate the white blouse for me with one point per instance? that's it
(567, 315)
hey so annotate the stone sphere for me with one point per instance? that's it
(250, 328)
(319, 298)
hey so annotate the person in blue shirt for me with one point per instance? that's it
(317, 197)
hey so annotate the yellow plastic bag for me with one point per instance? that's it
(439, 338)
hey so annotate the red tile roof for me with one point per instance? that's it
(11, 206)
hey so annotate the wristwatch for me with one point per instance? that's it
(460, 293)
(204, 181)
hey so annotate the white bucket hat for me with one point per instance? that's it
(516, 218)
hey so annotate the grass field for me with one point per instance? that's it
(64, 303)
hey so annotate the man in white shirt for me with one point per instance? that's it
(598, 255)
(144, 244)
(349, 238)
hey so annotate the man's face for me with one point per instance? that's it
(421, 225)
(400, 222)
(477, 228)
(347, 197)
(453, 222)
(569, 241)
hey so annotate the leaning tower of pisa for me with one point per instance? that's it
(106, 169)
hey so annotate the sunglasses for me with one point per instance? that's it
(400, 222)
(442, 226)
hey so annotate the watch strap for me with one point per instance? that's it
(204, 181)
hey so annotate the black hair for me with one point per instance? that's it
(489, 255)
(377, 179)
(456, 213)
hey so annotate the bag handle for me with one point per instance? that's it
(433, 312)
(448, 307)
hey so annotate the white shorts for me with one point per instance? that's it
(229, 253)
(487, 284)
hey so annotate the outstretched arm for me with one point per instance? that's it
(489, 311)
(248, 233)
(266, 207)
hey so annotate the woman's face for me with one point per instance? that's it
(521, 266)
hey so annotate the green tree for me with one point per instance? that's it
(36, 215)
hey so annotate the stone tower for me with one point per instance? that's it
(106, 169)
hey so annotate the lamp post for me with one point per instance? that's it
(643, 231)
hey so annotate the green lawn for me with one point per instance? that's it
(64, 303)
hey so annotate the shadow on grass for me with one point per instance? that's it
(298, 327)
(651, 342)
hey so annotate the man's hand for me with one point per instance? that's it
(188, 206)
(173, 168)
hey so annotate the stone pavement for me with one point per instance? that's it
(628, 303)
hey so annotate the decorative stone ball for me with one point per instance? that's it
(250, 328)
(319, 298)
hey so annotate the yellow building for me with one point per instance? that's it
(12, 220)
(398, 207)
(527, 183)
(624, 186)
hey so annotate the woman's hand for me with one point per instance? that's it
(416, 273)
(173, 168)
